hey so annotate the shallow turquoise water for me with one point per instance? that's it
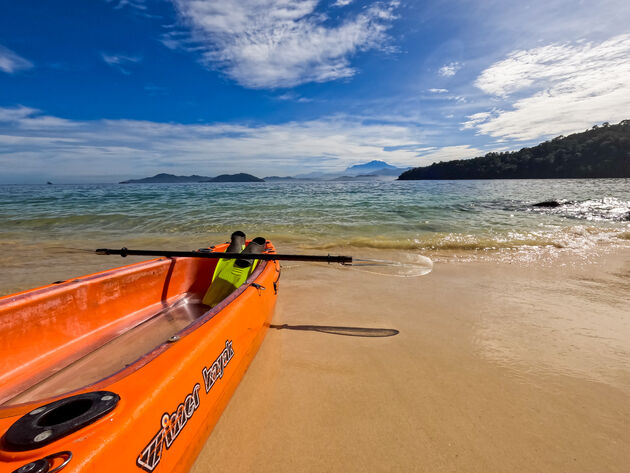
(393, 214)
(395, 220)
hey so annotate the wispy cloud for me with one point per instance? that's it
(449, 70)
(133, 4)
(271, 44)
(16, 114)
(293, 97)
(11, 62)
(438, 91)
(342, 3)
(525, 23)
(120, 61)
(137, 7)
(137, 4)
(448, 153)
(556, 89)
(30, 140)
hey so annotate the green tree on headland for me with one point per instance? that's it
(602, 151)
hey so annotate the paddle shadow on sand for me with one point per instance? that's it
(345, 331)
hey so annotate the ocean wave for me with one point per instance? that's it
(462, 217)
(577, 237)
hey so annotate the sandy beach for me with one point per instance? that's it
(495, 366)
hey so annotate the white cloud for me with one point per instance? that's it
(133, 4)
(477, 118)
(31, 141)
(522, 24)
(342, 3)
(293, 97)
(120, 61)
(557, 89)
(438, 91)
(15, 114)
(10, 62)
(448, 153)
(271, 44)
(449, 70)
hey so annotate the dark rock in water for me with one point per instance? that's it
(625, 217)
(49, 183)
(548, 204)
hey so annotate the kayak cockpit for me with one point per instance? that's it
(63, 337)
(117, 353)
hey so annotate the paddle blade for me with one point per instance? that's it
(406, 265)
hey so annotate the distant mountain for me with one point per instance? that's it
(240, 177)
(360, 177)
(364, 171)
(374, 168)
(164, 178)
(315, 176)
(601, 152)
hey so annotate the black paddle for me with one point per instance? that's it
(345, 260)
(411, 265)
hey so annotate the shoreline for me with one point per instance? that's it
(28, 264)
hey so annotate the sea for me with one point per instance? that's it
(46, 230)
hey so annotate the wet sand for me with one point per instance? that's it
(495, 367)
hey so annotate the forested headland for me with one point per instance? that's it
(602, 151)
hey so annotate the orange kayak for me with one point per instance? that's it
(125, 370)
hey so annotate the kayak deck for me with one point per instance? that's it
(117, 353)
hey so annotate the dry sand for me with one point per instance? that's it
(496, 367)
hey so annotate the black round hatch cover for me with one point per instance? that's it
(53, 421)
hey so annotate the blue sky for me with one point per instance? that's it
(97, 91)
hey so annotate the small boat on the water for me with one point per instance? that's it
(128, 369)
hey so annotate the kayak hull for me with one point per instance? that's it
(170, 397)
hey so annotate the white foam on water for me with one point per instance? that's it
(604, 209)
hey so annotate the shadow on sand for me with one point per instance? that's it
(345, 331)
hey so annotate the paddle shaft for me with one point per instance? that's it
(218, 255)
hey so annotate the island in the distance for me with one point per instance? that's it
(240, 177)
(164, 178)
(373, 170)
(601, 152)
